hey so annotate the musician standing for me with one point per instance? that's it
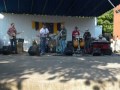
(12, 36)
(87, 38)
(44, 32)
(75, 36)
(75, 33)
(63, 34)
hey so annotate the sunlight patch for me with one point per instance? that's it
(5, 61)
(108, 66)
(1, 16)
(81, 59)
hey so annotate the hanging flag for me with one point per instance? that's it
(40, 25)
(55, 28)
(36, 26)
(58, 26)
(33, 25)
(50, 27)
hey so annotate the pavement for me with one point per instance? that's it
(48, 72)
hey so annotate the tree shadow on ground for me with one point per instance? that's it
(4, 86)
(58, 67)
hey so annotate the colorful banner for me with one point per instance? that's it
(36, 26)
(52, 27)
(33, 25)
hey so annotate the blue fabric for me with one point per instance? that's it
(13, 43)
(63, 45)
(87, 45)
(42, 44)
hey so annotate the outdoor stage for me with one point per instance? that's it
(24, 72)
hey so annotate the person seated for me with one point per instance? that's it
(101, 38)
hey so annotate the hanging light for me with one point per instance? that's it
(1, 16)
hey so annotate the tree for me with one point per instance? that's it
(106, 20)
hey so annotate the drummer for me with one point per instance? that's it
(75, 35)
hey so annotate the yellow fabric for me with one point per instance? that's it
(55, 28)
(40, 25)
(33, 25)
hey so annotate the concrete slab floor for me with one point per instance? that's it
(24, 72)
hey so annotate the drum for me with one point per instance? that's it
(82, 44)
(75, 43)
(52, 45)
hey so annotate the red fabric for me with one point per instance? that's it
(11, 30)
(75, 33)
(105, 46)
(101, 46)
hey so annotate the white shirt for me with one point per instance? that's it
(44, 32)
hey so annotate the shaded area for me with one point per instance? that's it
(96, 88)
(59, 68)
(4, 86)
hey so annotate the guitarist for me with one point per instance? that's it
(44, 33)
(12, 36)
(63, 35)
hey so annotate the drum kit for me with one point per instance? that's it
(54, 43)
(51, 42)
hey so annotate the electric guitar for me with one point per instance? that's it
(59, 35)
(13, 35)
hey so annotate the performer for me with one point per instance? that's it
(87, 38)
(75, 41)
(44, 32)
(101, 38)
(75, 33)
(12, 36)
(63, 33)
(112, 43)
(116, 45)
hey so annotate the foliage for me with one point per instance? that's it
(106, 20)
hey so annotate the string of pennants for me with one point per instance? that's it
(52, 27)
